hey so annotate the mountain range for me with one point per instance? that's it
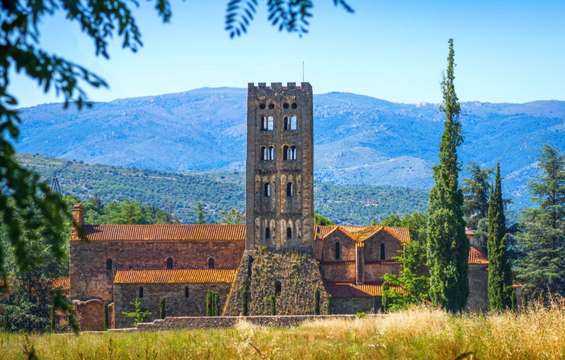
(359, 140)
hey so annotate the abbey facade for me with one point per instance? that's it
(280, 262)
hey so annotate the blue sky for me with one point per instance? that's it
(506, 51)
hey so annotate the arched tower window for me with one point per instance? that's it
(278, 287)
(267, 189)
(286, 152)
(267, 234)
(286, 123)
(140, 292)
(337, 251)
(186, 292)
(211, 263)
(271, 153)
(292, 153)
(170, 263)
(383, 253)
(267, 123)
(108, 264)
(289, 233)
(264, 153)
(289, 189)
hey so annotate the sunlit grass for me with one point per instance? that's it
(421, 333)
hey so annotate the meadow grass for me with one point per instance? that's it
(421, 333)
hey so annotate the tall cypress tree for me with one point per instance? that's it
(499, 272)
(447, 245)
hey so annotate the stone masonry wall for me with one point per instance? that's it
(177, 304)
(478, 288)
(91, 279)
(90, 314)
(229, 321)
(299, 277)
(355, 305)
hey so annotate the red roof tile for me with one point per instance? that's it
(362, 233)
(175, 276)
(63, 283)
(347, 289)
(214, 232)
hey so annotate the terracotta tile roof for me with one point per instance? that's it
(214, 232)
(346, 289)
(476, 257)
(362, 233)
(63, 283)
(175, 276)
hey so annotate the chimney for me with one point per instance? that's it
(78, 221)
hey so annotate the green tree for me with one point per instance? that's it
(317, 301)
(273, 301)
(138, 314)
(411, 285)
(30, 300)
(212, 304)
(447, 245)
(163, 308)
(499, 270)
(476, 192)
(200, 214)
(541, 264)
(320, 219)
(232, 216)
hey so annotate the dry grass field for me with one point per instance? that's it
(422, 333)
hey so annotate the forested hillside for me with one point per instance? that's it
(179, 193)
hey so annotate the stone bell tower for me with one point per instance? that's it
(279, 177)
(277, 273)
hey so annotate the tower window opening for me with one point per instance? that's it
(294, 105)
(293, 123)
(271, 106)
(186, 292)
(286, 124)
(286, 152)
(278, 287)
(267, 123)
(108, 264)
(383, 253)
(285, 105)
(292, 153)
(267, 189)
(261, 106)
(289, 233)
(289, 190)
(337, 251)
(211, 263)
(267, 234)
(140, 292)
(170, 263)
(267, 153)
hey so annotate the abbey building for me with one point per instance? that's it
(278, 262)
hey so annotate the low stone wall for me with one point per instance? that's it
(201, 322)
(176, 301)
